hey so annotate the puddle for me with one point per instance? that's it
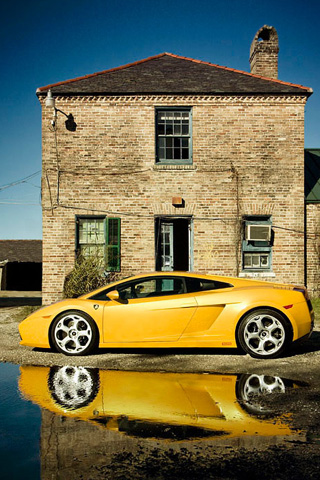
(76, 420)
(20, 424)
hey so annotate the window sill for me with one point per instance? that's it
(163, 166)
(247, 274)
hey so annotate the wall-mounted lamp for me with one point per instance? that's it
(51, 102)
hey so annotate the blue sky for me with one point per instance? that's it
(43, 42)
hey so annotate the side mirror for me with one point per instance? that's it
(113, 295)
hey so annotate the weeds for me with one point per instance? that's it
(87, 275)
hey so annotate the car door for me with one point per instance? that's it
(149, 309)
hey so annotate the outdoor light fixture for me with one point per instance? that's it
(51, 102)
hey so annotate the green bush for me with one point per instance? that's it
(87, 275)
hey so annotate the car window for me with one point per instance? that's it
(203, 284)
(145, 287)
(151, 287)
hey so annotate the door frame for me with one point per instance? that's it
(157, 235)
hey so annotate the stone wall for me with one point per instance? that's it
(248, 159)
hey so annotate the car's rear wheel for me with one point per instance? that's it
(264, 333)
(74, 333)
(251, 389)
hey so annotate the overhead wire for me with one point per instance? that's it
(17, 182)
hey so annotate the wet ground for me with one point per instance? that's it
(157, 414)
(77, 423)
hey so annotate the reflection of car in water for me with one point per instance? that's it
(161, 405)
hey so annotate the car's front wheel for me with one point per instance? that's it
(74, 333)
(264, 333)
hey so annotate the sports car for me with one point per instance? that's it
(175, 309)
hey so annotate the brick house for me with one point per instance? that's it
(174, 163)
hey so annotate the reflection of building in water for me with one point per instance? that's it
(74, 449)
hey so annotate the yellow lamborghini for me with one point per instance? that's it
(175, 309)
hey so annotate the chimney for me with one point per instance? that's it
(264, 52)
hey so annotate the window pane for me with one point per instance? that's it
(199, 284)
(92, 251)
(185, 153)
(169, 129)
(151, 287)
(82, 235)
(247, 260)
(169, 142)
(177, 154)
(161, 153)
(185, 129)
(161, 129)
(169, 153)
(256, 261)
(185, 142)
(177, 129)
(91, 231)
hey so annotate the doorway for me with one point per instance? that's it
(173, 243)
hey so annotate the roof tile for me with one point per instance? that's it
(172, 74)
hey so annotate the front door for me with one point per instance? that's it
(173, 244)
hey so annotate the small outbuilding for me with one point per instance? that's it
(21, 265)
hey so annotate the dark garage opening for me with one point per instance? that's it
(24, 276)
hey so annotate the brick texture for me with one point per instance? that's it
(264, 52)
(248, 159)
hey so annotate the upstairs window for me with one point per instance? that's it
(257, 244)
(173, 136)
(100, 237)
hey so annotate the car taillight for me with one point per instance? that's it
(306, 296)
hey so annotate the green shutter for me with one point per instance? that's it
(113, 238)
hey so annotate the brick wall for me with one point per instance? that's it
(248, 159)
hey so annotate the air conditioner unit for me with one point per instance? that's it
(258, 233)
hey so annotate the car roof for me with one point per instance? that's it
(234, 281)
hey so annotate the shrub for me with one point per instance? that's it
(87, 274)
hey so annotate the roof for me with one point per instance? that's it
(312, 174)
(21, 250)
(168, 73)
